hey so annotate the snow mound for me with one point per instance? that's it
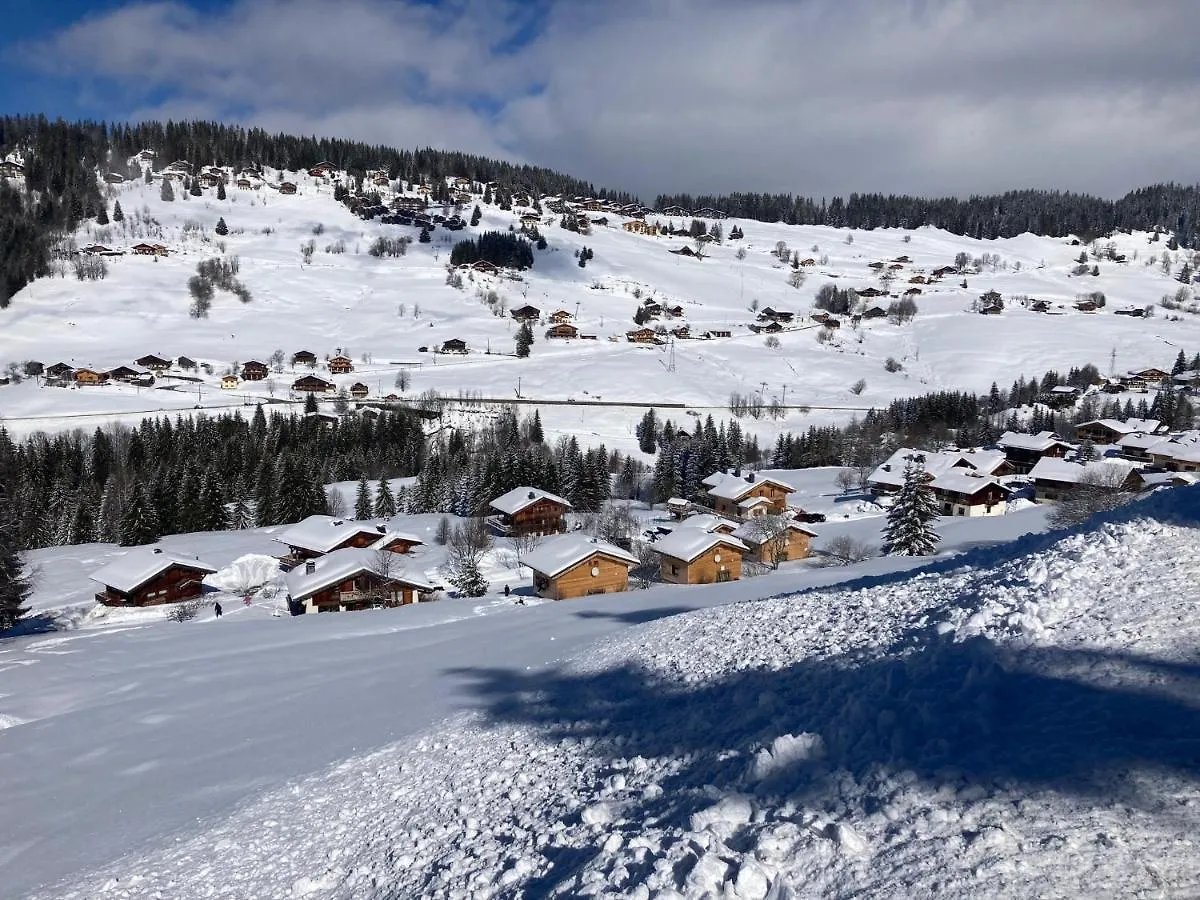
(246, 574)
(1016, 722)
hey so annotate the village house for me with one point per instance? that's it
(340, 365)
(147, 576)
(969, 493)
(311, 384)
(322, 170)
(526, 313)
(1180, 453)
(229, 382)
(763, 546)
(287, 187)
(875, 311)
(153, 363)
(149, 249)
(187, 364)
(1055, 478)
(696, 556)
(352, 579)
(10, 168)
(563, 331)
(454, 345)
(529, 510)
(709, 335)
(559, 316)
(1024, 450)
(304, 358)
(741, 498)
(573, 565)
(254, 371)
(245, 184)
(643, 336)
(775, 315)
(358, 390)
(888, 477)
(1110, 431)
(319, 535)
(124, 373)
(59, 372)
(90, 376)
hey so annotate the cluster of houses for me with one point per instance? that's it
(1130, 455)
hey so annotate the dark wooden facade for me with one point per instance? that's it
(543, 516)
(177, 583)
(255, 371)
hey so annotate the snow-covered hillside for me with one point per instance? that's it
(385, 309)
(1017, 721)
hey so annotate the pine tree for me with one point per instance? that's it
(194, 188)
(385, 503)
(909, 530)
(536, 434)
(102, 215)
(524, 340)
(310, 404)
(221, 189)
(139, 525)
(118, 213)
(469, 580)
(363, 508)
(166, 192)
(425, 237)
(221, 229)
(1180, 364)
(150, 178)
(476, 216)
(14, 580)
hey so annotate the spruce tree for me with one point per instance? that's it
(425, 237)
(221, 189)
(536, 434)
(476, 216)
(221, 229)
(102, 215)
(1180, 364)
(385, 503)
(14, 580)
(363, 508)
(469, 580)
(150, 177)
(166, 192)
(909, 530)
(118, 214)
(139, 525)
(310, 404)
(524, 340)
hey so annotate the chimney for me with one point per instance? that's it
(532, 495)
(750, 477)
(382, 529)
(310, 567)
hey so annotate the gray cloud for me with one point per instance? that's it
(816, 97)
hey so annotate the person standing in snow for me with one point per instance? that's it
(217, 608)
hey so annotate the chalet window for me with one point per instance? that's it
(674, 569)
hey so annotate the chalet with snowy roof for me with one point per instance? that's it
(709, 522)
(640, 226)
(59, 371)
(454, 345)
(526, 313)
(718, 333)
(943, 270)
(643, 336)
(90, 377)
(874, 311)
(1110, 431)
(124, 373)
(10, 168)
(287, 187)
(187, 364)
(148, 576)
(153, 363)
(322, 170)
(341, 365)
(254, 371)
(246, 184)
(675, 211)
(776, 315)
(97, 250)
(573, 565)
(1180, 453)
(562, 332)
(352, 579)
(795, 542)
(529, 510)
(318, 535)
(1024, 450)
(304, 358)
(1055, 478)
(751, 495)
(696, 556)
(311, 384)
(888, 477)
(559, 316)
(871, 292)
(358, 390)
(145, 249)
(229, 382)
(965, 492)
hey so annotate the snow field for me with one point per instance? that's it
(1019, 721)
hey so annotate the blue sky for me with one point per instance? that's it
(808, 96)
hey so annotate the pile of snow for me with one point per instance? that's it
(246, 574)
(1019, 721)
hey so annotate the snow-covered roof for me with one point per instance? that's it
(320, 534)
(390, 536)
(730, 487)
(959, 481)
(1039, 442)
(1180, 451)
(707, 522)
(557, 554)
(688, 543)
(1141, 441)
(340, 565)
(891, 471)
(1050, 469)
(519, 498)
(1129, 426)
(135, 568)
(750, 534)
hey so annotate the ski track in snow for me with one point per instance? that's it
(1019, 721)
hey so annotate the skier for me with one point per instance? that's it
(507, 590)
(217, 608)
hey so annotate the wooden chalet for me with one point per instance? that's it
(229, 382)
(874, 311)
(563, 331)
(697, 556)
(776, 315)
(358, 390)
(1110, 431)
(340, 365)
(529, 510)
(287, 187)
(311, 384)
(944, 270)
(304, 358)
(643, 336)
(144, 249)
(1053, 478)
(794, 543)
(454, 345)
(211, 179)
(740, 498)
(991, 309)
(1041, 306)
(1086, 306)
(808, 262)
(640, 226)
(526, 313)
(322, 169)
(970, 493)
(352, 579)
(153, 363)
(11, 169)
(572, 565)
(124, 373)
(710, 334)
(871, 292)
(686, 251)
(59, 371)
(913, 292)
(90, 376)
(255, 371)
(151, 576)
(245, 184)
(917, 279)
(187, 364)
(1024, 450)
(319, 535)
(559, 316)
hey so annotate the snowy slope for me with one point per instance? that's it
(1019, 721)
(352, 302)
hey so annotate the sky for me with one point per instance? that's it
(813, 97)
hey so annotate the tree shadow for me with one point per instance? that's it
(43, 623)
(635, 616)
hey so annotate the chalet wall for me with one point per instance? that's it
(705, 569)
(176, 584)
(777, 495)
(543, 516)
(578, 581)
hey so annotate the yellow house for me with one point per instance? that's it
(229, 382)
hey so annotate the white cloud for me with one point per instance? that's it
(821, 97)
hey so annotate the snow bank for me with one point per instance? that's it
(1002, 724)
(246, 574)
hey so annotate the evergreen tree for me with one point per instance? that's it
(468, 580)
(102, 215)
(536, 434)
(425, 237)
(118, 214)
(385, 503)
(221, 189)
(166, 192)
(364, 507)
(15, 586)
(310, 404)
(139, 525)
(1181, 364)
(909, 530)
(194, 188)
(222, 229)
(476, 215)
(524, 340)
(646, 432)
(149, 178)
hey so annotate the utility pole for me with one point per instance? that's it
(1112, 363)
(671, 358)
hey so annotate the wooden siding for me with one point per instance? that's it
(175, 584)
(578, 581)
(798, 546)
(704, 569)
(543, 516)
(772, 492)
